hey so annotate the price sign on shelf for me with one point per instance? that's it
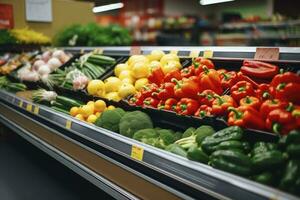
(208, 54)
(98, 51)
(137, 152)
(266, 54)
(29, 107)
(20, 103)
(135, 50)
(175, 52)
(36, 110)
(194, 53)
(68, 124)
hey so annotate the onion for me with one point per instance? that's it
(54, 63)
(32, 76)
(44, 69)
(58, 54)
(37, 64)
(46, 56)
(65, 58)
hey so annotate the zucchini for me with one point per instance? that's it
(68, 102)
(60, 110)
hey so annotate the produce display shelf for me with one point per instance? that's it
(176, 175)
(286, 54)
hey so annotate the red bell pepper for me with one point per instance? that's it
(288, 92)
(206, 97)
(204, 61)
(169, 104)
(165, 91)
(187, 106)
(210, 80)
(156, 76)
(200, 62)
(287, 77)
(250, 101)
(187, 88)
(269, 105)
(173, 74)
(151, 102)
(242, 77)
(281, 121)
(148, 89)
(221, 104)
(258, 69)
(204, 111)
(137, 100)
(228, 79)
(246, 117)
(188, 72)
(241, 89)
(265, 91)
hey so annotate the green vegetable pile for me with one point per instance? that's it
(225, 149)
(91, 65)
(93, 34)
(10, 86)
(6, 37)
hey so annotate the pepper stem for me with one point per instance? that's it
(276, 128)
(202, 113)
(280, 86)
(238, 115)
(220, 100)
(290, 107)
(241, 89)
(205, 69)
(296, 113)
(248, 100)
(183, 106)
(225, 76)
(174, 80)
(266, 95)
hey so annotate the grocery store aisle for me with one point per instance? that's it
(26, 173)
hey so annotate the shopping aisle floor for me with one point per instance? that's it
(26, 173)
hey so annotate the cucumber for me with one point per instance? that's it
(100, 59)
(60, 110)
(59, 105)
(68, 102)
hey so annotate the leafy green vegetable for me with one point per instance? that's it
(6, 37)
(93, 34)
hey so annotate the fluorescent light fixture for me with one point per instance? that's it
(108, 7)
(208, 2)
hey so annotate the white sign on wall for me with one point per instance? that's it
(38, 10)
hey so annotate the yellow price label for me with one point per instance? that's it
(194, 53)
(208, 54)
(36, 110)
(21, 104)
(137, 152)
(68, 124)
(29, 107)
(174, 52)
(98, 51)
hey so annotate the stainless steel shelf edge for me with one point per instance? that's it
(198, 176)
(99, 181)
(236, 52)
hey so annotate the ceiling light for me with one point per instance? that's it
(208, 2)
(108, 7)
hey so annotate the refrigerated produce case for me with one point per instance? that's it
(126, 168)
